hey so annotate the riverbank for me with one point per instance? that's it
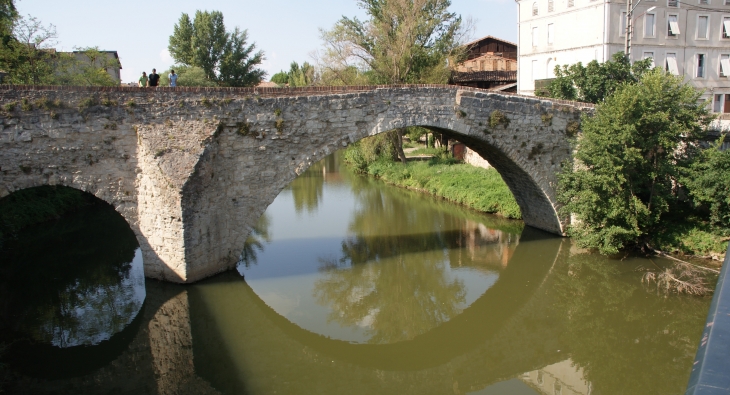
(35, 205)
(484, 190)
(473, 187)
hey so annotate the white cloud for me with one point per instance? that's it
(166, 58)
(271, 64)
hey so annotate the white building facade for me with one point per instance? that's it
(689, 38)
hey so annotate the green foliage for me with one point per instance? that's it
(10, 106)
(708, 181)
(497, 118)
(25, 105)
(35, 205)
(281, 78)
(629, 160)
(191, 76)
(596, 81)
(369, 150)
(474, 187)
(87, 102)
(402, 41)
(223, 55)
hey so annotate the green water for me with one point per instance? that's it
(350, 286)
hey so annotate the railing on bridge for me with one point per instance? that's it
(711, 369)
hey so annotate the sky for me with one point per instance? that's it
(285, 30)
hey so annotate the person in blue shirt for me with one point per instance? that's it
(173, 79)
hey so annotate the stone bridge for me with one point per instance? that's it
(192, 169)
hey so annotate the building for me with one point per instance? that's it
(491, 64)
(689, 38)
(108, 59)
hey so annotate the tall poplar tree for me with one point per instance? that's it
(224, 56)
(402, 41)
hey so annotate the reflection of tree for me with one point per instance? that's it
(395, 300)
(614, 326)
(71, 281)
(307, 189)
(254, 243)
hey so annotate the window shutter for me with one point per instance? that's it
(672, 64)
(725, 66)
(674, 27)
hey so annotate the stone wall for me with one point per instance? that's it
(193, 169)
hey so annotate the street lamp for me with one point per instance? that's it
(630, 25)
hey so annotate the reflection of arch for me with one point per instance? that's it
(534, 9)
(475, 325)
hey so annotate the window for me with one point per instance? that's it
(550, 71)
(705, 2)
(702, 24)
(551, 5)
(717, 104)
(483, 65)
(622, 24)
(649, 55)
(673, 25)
(700, 66)
(671, 64)
(571, 3)
(724, 65)
(673, 3)
(551, 33)
(649, 25)
(534, 9)
(534, 70)
(534, 36)
(727, 2)
(726, 27)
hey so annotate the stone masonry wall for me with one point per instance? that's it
(192, 170)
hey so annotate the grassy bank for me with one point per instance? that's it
(484, 190)
(477, 188)
(36, 205)
(692, 236)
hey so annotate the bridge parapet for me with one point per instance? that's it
(192, 169)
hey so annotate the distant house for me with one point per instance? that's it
(490, 64)
(112, 59)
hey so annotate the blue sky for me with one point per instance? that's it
(286, 30)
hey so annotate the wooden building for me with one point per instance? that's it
(490, 64)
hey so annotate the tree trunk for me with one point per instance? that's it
(399, 146)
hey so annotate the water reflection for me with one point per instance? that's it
(69, 284)
(389, 266)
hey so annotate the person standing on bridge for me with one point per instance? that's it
(173, 79)
(143, 80)
(154, 79)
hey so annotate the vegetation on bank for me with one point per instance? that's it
(635, 183)
(442, 176)
(35, 205)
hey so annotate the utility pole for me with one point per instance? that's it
(627, 43)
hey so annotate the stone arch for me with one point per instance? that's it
(237, 177)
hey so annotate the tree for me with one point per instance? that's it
(403, 41)
(223, 56)
(303, 75)
(86, 67)
(629, 160)
(8, 15)
(596, 81)
(187, 76)
(28, 57)
(708, 181)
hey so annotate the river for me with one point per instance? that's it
(346, 285)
